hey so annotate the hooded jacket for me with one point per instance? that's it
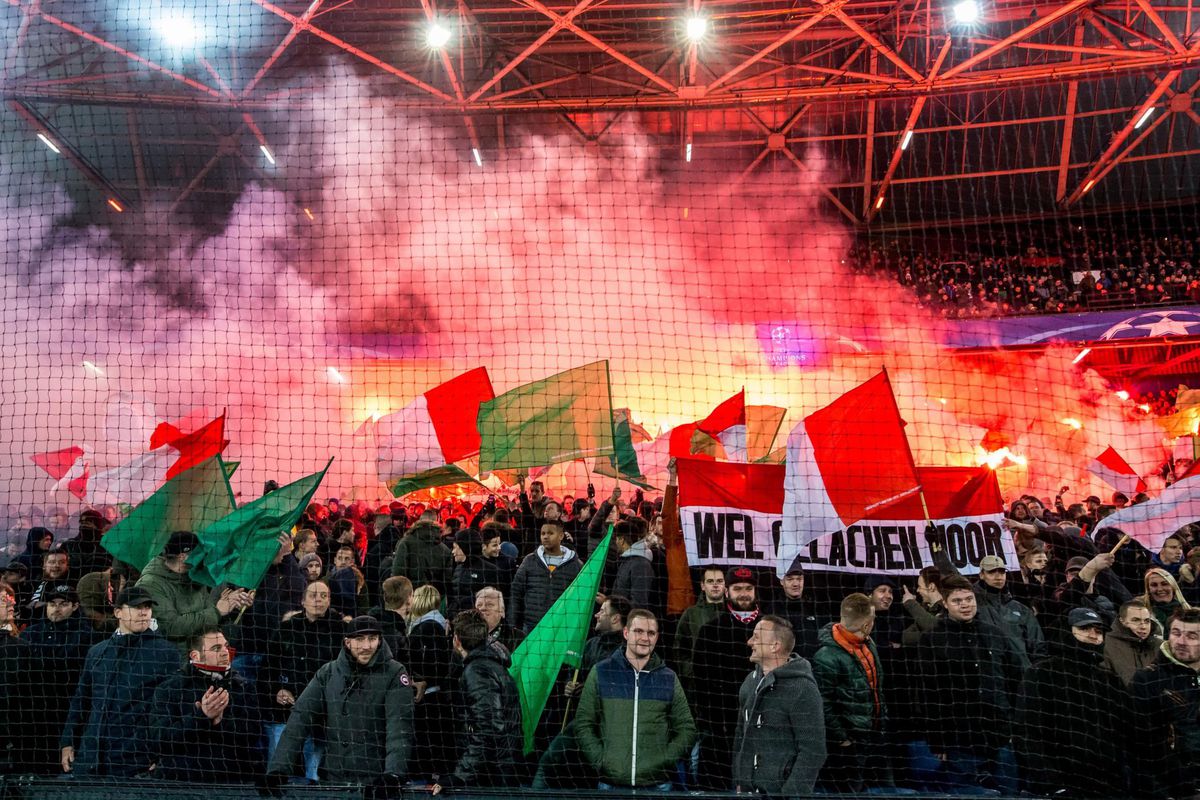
(1125, 654)
(489, 721)
(1166, 697)
(635, 575)
(32, 556)
(422, 558)
(183, 607)
(189, 746)
(779, 744)
(1068, 698)
(633, 725)
(366, 714)
(849, 701)
(108, 722)
(535, 587)
(299, 648)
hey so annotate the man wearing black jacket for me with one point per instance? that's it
(490, 707)
(206, 723)
(1166, 698)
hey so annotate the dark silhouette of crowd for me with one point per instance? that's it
(1066, 269)
(377, 652)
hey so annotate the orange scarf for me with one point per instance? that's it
(858, 648)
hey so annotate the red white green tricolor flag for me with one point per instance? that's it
(420, 443)
(561, 418)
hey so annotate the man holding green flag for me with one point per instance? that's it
(557, 640)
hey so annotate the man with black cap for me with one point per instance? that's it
(206, 722)
(85, 553)
(107, 725)
(58, 644)
(798, 611)
(184, 607)
(363, 701)
(719, 666)
(1071, 687)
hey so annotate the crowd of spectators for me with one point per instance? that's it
(377, 651)
(1070, 270)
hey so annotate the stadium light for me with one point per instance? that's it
(904, 143)
(93, 369)
(687, 153)
(1145, 116)
(477, 156)
(966, 12)
(336, 376)
(437, 35)
(44, 139)
(695, 28)
(115, 205)
(178, 30)
(266, 151)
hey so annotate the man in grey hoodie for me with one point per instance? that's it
(779, 744)
(635, 569)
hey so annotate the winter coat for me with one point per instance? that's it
(183, 607)
(1068, 698)
(281, 591)
(472, 575)
(635, 576)
(1166, 698)
(805, 624)
(1125, 654)
(365, 712)
(598, 648)
(422, 558)
(719, 662)
(971, 673)
(1015, 620)
(779, 744)
(15, 691)
(189, 746)
(535, 587)
(299, 648)
(395, 632)
(489, 721)
(849, 703)
(108, 721)
(694, 618)
(633, 725)
(56, 654)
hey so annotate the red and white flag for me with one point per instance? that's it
(193, 448)
(844, 462)
(1116, 472)
(1153, 521)
(436, 429)
(69, 467)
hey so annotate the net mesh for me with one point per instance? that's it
(720, 397)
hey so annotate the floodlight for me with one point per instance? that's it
(178, 30)
(437, 35)
(696, 28)
(966, 12)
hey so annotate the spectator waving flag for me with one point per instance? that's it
(418, 445)
(843, 462)
(238, 548)
(189, 502)
(562, 418)
(558, 639)
(1116, 472)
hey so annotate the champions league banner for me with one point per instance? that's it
(733, 514)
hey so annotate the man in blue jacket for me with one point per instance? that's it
(106, 733)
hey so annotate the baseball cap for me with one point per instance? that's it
(180, 543)
(739, 575)
(1077, 563)
(989, 563)
(62, 591)
(16, 566)
(361, 626)
(135, 597)
(1085, 618)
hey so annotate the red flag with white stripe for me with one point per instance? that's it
(1116, 472)
(69, 467)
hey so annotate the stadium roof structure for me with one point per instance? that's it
(918, 112)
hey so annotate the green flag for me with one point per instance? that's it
(190, 501)
(238, 548)
(231, 467)
(623, 463)
(562, 418)
(448, 475)
(558, 639)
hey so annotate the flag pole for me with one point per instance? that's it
(567, 707)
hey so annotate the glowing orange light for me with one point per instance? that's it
(117, 207)
(308, 213)
(1071, 422)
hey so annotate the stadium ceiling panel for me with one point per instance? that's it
(946, 110)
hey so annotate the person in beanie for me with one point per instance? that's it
(633, 725)
(850, 677)
(1133, 643)
(1071, 684)
(719, 667)
(58, 646)
(489, 711)
(183, 607)
(107, 729)
(798, 611)
(311, 567)
(779, 744)
(206, 721)
(363, 702)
